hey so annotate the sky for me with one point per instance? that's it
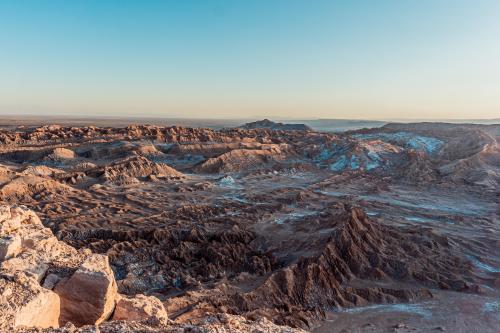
(359, 59)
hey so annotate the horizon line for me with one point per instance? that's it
(256, 117)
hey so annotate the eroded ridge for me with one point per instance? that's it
(46, 284)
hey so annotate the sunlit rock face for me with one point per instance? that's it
(23, 263)
(140, 308)
(35, 261)
(88, 296)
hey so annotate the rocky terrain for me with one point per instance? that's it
(262, 228)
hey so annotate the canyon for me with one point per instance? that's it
(265, 227)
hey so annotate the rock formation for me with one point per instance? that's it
(25, 187)
(212, 324)
(46, 284)
(140, 308)
(30, 250)
(88, 296)
(241, 159)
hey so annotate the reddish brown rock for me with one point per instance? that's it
(88, 296)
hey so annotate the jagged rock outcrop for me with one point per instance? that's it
(158, 258)
(39, 249)
(41, 171)
(25, 187)
(56, 133)
(28, 249)
(33, 262)
(61, 154)
(357, 248)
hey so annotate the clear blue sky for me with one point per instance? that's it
(274, 58)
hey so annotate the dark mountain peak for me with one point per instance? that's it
(268, 124)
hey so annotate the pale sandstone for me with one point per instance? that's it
(8, 222)
(24, 302)
(88, 296)
(10, 246)
(140, 308)
(28, 251)
(62, 153)
(222, 323)
(30, 247)
(27, 262)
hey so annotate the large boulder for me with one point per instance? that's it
(88, 296)
(140, 308)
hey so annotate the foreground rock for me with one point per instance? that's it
(88, 297)
(140, 308)
(33, 262)
(212, 324)
(23, 302)
(84, 289)
(10, 246)
(26, 248)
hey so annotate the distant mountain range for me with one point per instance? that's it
(322, 125)
(268, 124)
